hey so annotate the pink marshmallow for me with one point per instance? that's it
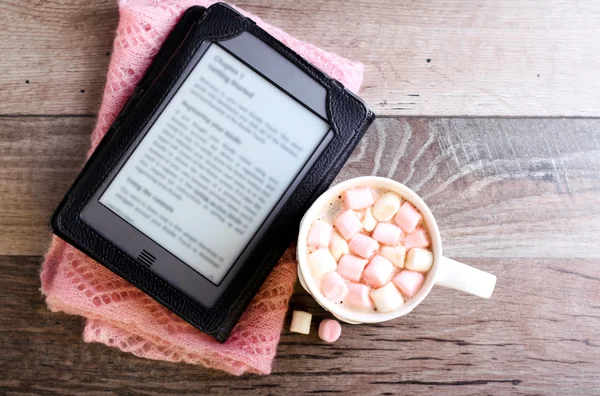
(409, 282)
(334, 287)
(358, 296)
(359, 198)
(363, 246)
(388, 234)
(378, 272)
(348, 224)
(417, 238)
(408, 217)
(320, 234)
(330, 330)
(351, 267)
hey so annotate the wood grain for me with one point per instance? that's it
(39, 158)
(516, 197)
(437, 58)
(526, 340)
(55, 55)
(497, 187)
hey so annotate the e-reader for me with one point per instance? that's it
(199, 186)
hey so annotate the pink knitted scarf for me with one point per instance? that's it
(118, 314)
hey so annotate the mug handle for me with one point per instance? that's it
(459, 276)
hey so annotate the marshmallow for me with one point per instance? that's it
(408, 217)
(396, 254)
(358, 296)
(321, 261)
(301, 322)
(348, 224)
(386, 206)
(320, 234)
(358, 198)
(387, 298)
(417, 238)
(368, 221)
(360, 214)
(334, 287)
(338, 246)
(351, 267)
(419, 260)
(379, 271)
(330, 330)
(408, 282)
(386, 233)
(363, 246)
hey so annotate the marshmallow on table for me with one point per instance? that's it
(338, 246)
(334, 287)
(387, 298)
(358, 198)
(378, 272)
(386, 233)
(408, 217)
(319, 234)
(396, 254)
(363, 246)
(409, 282)
(301, 322)
(330, 330)
(419, 260)
(348, 224)
(358, 296)
(417, 238)
(386, 206)
(321, 261)
(351, 267)
(368, 221)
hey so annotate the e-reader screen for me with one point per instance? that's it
(215, 163)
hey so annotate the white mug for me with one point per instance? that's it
(444, 272)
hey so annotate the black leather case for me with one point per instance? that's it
(348, 116)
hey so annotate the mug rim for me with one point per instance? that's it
(310, 284)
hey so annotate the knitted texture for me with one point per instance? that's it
(120, 315)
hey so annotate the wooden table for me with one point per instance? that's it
(519, 197)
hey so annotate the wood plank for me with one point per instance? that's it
(55, 55)
(499, 188)
(526, 340)
(39, 158)
(509, 58)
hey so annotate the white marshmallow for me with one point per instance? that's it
(321, 261)
(386, 206)
(338, 246)
(419, 260)
(368, 221)
(396, 254)
(301, 322)
(387, 298)
(360, 214)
